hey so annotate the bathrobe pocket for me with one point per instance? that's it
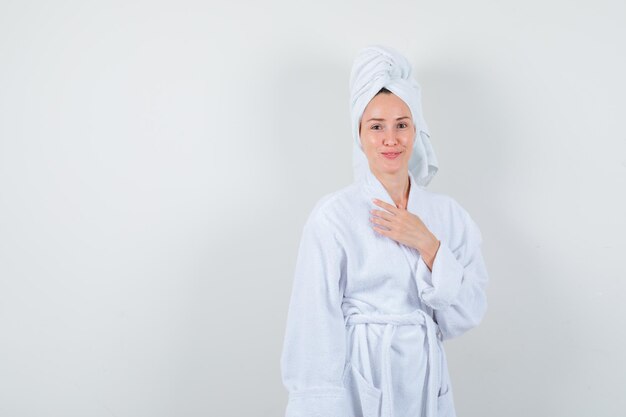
(445, 400)
(364, 397)
(445, 404)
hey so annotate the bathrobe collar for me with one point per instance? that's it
(375, 189)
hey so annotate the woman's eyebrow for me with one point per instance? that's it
(382, 120)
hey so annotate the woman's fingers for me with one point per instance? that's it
(382, 214)
(389, 207)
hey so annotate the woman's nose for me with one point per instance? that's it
(390, 137)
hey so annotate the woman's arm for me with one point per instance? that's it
(314, 351)
(456, 286)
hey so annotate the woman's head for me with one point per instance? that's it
(387, 127)
(375, 67)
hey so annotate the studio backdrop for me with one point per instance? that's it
(158, 161)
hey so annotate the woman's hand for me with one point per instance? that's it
(406, 228)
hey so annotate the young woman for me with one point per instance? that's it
(386, 270)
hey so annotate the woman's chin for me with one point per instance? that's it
(392, 168)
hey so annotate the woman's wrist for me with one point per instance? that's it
(429, 252)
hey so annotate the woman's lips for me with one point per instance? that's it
(391, 155)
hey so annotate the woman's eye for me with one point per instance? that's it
(402, 124)
(375, 126)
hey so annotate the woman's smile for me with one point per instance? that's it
(391, 155)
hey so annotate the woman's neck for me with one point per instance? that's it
(397, 186)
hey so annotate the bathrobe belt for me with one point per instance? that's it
(391, 321)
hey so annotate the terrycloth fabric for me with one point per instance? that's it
(376, 67)
(367, 318)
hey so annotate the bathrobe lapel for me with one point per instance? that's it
(375, 189)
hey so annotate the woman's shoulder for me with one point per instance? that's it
(446, 205)
(460, 224)
(334, 206)
(439, 200)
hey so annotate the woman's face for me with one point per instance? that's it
(387, 128)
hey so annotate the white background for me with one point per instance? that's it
(158, 160)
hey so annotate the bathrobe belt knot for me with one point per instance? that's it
(391, 321)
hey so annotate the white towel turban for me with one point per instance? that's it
(375, 67)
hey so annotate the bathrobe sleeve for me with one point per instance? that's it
(456, 286)
(314, 348)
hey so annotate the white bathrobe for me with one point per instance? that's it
(367, 317)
